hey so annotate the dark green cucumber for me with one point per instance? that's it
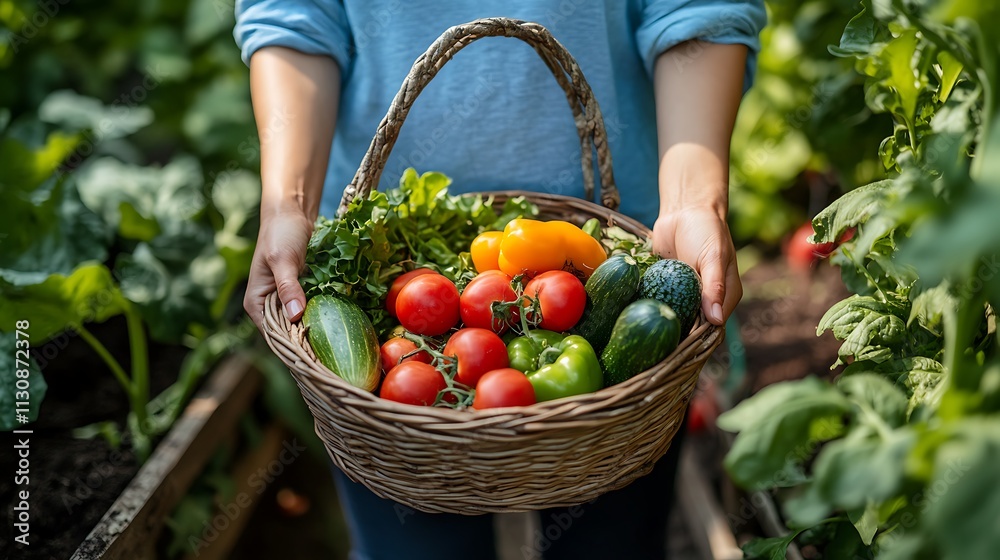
(646, 332)
(344, 340)
(610, 288)
(676, 284)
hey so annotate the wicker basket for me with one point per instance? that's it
(555, 453)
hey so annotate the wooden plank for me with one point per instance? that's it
(130, 528)
(701, 511)
(245, 497)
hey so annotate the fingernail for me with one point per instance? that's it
(717, 312)
(293, 308)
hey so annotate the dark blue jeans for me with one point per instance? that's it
(628, 523)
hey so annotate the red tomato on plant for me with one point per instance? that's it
(478, 297)
(562, 299)
(801, 253)
(413, 383)
(396, 348)
(397, 285)
(503, 387)
(428, 305)
(477, 351)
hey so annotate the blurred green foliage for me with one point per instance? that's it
(128, 162)
(803, 132)
(903, 447)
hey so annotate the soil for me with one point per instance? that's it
(74, 481)
(778, 317)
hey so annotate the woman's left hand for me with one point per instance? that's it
(700, 237)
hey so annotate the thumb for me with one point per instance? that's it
(286, 279)
(713, 291)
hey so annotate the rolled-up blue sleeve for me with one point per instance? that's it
(311, 27)
(665, 23)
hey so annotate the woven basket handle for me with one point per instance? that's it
(586, 113)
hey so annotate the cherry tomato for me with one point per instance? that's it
(413, 383)
(428, 305)
(477, 351)
(397, 285)
(396, 348)
(562, 298)
(503, 387)
(485, 250)
(478, 297)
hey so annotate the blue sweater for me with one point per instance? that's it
(494, 118)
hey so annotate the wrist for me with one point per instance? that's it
(692, 177)
(284, 197)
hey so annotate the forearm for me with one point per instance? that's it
(698, 89)
(295, 98)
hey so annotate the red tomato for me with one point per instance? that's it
(478, 297)
(396, 348)
(428, 305)
(503, 387)
(801, 253)
(397, 285)
(562, 298)
(477, 351)
(413, 383)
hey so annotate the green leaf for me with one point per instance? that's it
(22, 169)
(773, 548)
(860, 467)
(61, 302)
(850, 210)
(867, 326)
(903, 77)
(877, 394)
(963, 499)
(858, 36)
(11, 372)
(951, 69)
(865, 520)
(789, 432)
(48, 230)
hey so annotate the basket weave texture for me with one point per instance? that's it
(556, 453)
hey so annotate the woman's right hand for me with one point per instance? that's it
(277, 261)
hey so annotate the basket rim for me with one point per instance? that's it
(279, 331)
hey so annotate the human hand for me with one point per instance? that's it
(277, 261)
(700, 237)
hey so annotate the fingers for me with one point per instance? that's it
(713, 290)
(285, 270)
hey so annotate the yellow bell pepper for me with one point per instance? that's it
(532, 247)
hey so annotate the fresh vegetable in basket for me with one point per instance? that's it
(523, 351)
(646, 332)
(561, 299)
(676, 284)
(609, 289)
(556, 366)
(476, 351)
(428, 305)
(503, 387)
(480, 295)
(531, 247)
(343, 340)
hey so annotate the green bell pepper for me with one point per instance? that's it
(523, 351)
(556, 366)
